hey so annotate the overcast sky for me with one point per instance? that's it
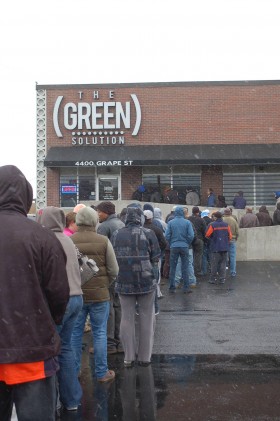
(113, 41)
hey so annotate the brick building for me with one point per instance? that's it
(99, 142)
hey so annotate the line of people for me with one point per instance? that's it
(43, 308)
(198, 243)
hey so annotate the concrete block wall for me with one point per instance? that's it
(262, 243)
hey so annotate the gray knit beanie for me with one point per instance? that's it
(87, 216)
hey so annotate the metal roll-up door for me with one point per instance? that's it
(257, 187)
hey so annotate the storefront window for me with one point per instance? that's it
(178, 177)
(68, 189)
(76, 185)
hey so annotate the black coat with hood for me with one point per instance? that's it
(34, 287)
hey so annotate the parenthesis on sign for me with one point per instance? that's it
(55, 116)
(138, 114)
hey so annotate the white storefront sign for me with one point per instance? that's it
(97, 122)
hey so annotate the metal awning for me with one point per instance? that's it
(162, 155)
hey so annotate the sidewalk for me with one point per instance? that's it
(240, 317)
(216, 357)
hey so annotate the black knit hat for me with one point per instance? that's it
(106, 207)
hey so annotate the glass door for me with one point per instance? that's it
(109, 188)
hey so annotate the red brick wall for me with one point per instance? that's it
(182, 114)
(211, 176)
(131, 179)
(53, 187)
(209, 114)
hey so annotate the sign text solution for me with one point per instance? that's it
(97, 122)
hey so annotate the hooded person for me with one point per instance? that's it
(158, 216)
(96, 291)
(33, 299)
(276, 215)
(179, 234)
(221, 202)
(277, 196)
(148, 206)
(138, 253)
(70, 391)
(264, 217)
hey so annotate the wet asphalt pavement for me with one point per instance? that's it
(216, 357)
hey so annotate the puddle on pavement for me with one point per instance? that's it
(176, 387)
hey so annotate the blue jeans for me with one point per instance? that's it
(232, 257)
(35, 400)
(178, 274)
(98, 313)
(70, 390)
(175, 252)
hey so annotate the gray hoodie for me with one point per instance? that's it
(54, 219)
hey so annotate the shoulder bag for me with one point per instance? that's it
(88, 267)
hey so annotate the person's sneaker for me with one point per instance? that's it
(192, 285)
(222, 281)
(128, 364)
(211, 282)
(187, 291)
(109, 376)
(233, 274)
(72, 408)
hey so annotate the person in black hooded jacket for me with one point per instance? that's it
(34, 295)
(276, 215)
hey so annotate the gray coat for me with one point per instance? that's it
(249, 220)
(111, 224)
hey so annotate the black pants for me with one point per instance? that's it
(197, 255)
(34, 401)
